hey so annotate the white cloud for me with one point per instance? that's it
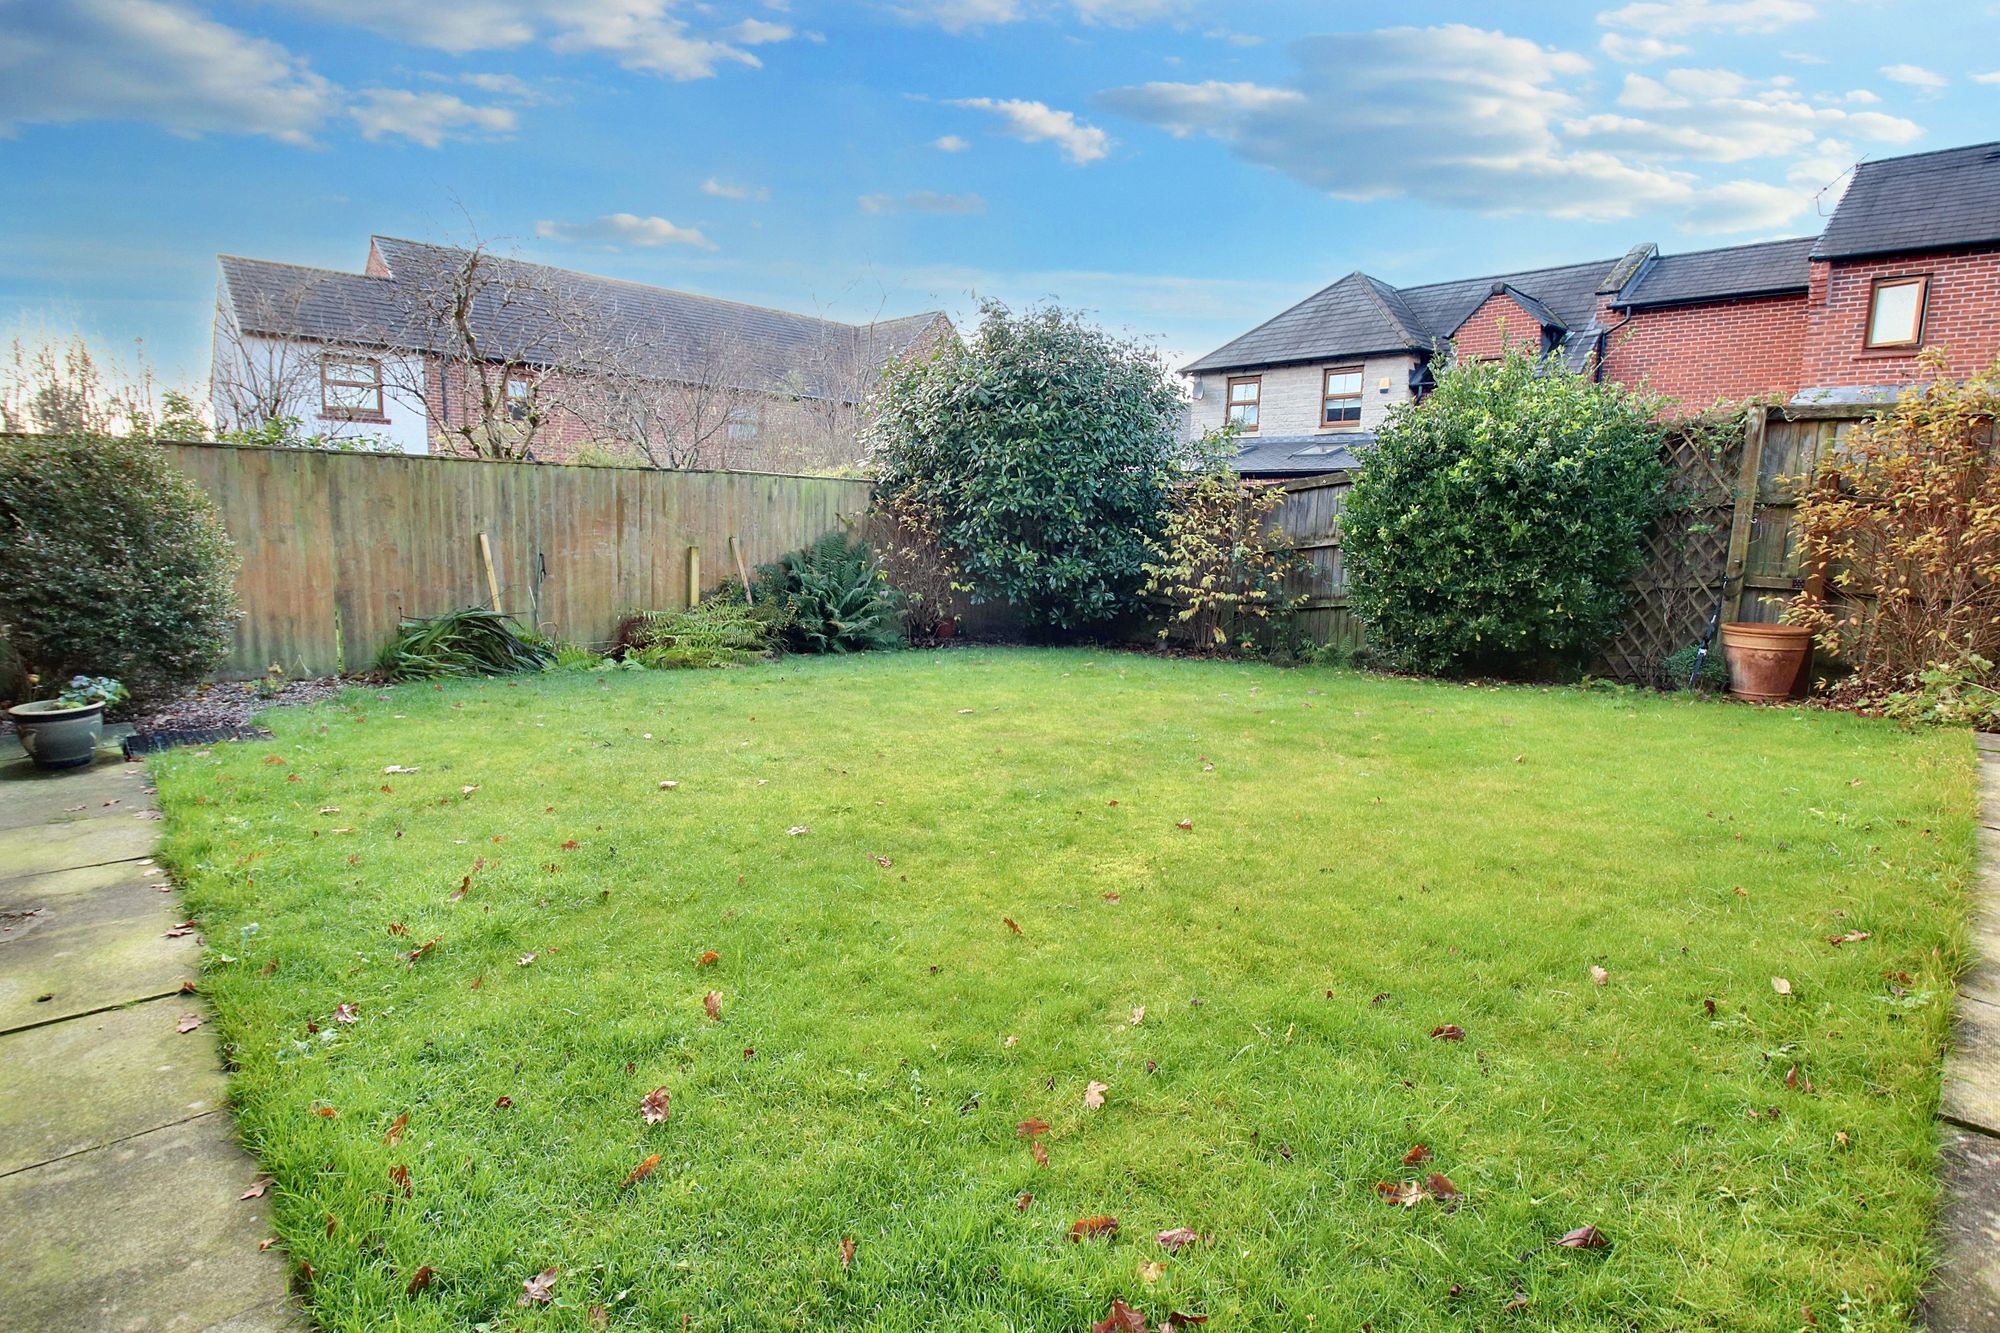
(1676, 18)
(617, 230)
(426, 118)
(959, 15)
(1915, 76)
(1629, 50)
(1463, 118)
(725, 190)
(156, 62)
(1037, 122)
(951, 143)
(964, 15)
(645, 35)
(924, 201)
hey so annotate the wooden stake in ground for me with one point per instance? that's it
(694, 575)
(492, 582)
(742, 570)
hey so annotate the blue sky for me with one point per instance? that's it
(1182, 169)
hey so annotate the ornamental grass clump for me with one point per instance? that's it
(1494, 526)
(469, 642)
(1903, 519)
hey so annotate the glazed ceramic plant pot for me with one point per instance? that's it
(59, 735)
(1766, 662)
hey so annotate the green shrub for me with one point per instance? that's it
(1045, 448)
(112, 562)
(830, 597)
(471, 642)
(1494, 525)
(721, 631)
(1677, 666)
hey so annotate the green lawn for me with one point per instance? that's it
(1368, 860)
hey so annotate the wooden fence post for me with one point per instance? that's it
(1744, 517)
(694, 575)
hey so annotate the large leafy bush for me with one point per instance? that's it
(830, 597)
(1495, 524)
(1045, 447)
(112, 562)
(1904, 517)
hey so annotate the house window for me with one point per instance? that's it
(744, 422)
(1340, 398)
(1896, 312)
(520, 397)
(350, 388)
(1244, 400)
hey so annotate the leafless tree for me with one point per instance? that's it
(502, 339)
(57, 386)
(703, 410)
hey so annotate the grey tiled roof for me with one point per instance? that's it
(1709, 275)
(1301, 455)
(1927, 201)
(1360, 315)
(556, 317)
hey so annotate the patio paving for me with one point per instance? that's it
(120, 1174)
(1965, 1293)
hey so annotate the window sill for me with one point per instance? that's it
(1337, 430)
(1904, 352)
(350, 419)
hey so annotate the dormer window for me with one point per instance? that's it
(1896, 312)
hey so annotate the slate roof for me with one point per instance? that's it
(1300, 455)
(557, 317)
(1360, 315)
(1926, 201)
(1763, 269)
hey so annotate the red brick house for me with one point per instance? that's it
(1910, 260)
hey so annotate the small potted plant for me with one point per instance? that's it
(63, 732)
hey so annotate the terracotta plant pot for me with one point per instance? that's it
(946, 628)
(1766, 662)
(59, 735)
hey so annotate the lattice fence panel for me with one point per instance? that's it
(1687, 555)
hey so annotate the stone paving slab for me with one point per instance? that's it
(93, 964)
(90, 842)
(72, 1086)
(145, 1234)
(1972, 1071)
(54, 888)
(37, 796)
(1964, 1297)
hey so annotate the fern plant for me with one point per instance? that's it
(830, 597)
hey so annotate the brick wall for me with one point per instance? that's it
(1962, 314)
(1499, 323)
(1712, 350)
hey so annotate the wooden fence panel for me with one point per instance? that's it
(337, 547)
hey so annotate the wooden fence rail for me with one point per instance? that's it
(337, 547)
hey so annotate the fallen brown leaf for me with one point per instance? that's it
(1186, 825)
(1122, 1319)
(1404, 1194)
(1441, 1188)
(641, 1171)
(846, 1252)
(708, 959)
(1599, 976)
(1039, 1153)
(711, 1004)
(1583, 1238)
(1011, 925)
(1420, 1153)
(399, 1176)
(655, 1106)
(538, 1289)
(1174, 1238)
(1021, 1204)
(1150, 1270)
(1780, 985)
(1449, 1032)
(257, 1188)
(1093, 1094)
(396, 1128)
(419, 1280)
(1851, 937)
(346, 1013)
(1031, 1128)
(188, 1023)
(1087, 1228)
(1138, 1014)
